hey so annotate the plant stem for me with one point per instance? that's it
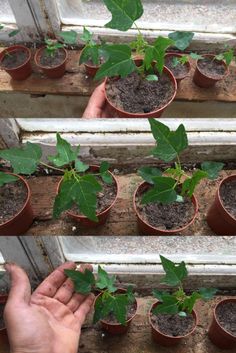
(51, 167)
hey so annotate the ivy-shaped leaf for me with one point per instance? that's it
(207, 293)
(147, 173)
(7, 178)
(104, 281)
(174, 273)
(103, 307)
(169, 305)
(104, 173)
(190, 184)
(69, 37)
(65, 154)
(80, 166)
(83, 281)
(162, 191)
(159, 50)
(212, 169)
(181, 39)
(90, 53)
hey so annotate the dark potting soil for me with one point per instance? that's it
(173, 325)
(228, 196)
(226, 314)
(130, 313)
(2, 325)
(14, 59)
(166, 217)
(135, 95)
(104, 198)
(179, 70)
(212, 68)
(12, 198)
(47, 60)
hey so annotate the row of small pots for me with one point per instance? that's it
(218, 218)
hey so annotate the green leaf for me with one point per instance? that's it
(120, 308)
(104, 172)
(69, 37)
(124, 13)
(90, 53)
(181, 39)
(174, 273)
(169, 305)
(207, 293)
(80, 166)
(228, 56)
(86, 36)
(64, 199)
(1, 26)
(83, 281)
(169, 143)
(151, 78)
(182, 314)
(175, 61)
(14, 33)
(120, 62)
(65, 154)
(190, 184)
(212, 169)
(24, 160)
(147, 173)
(195, 56)
(103, 307)
(104, 167)
(190, 301)
(158, 294)
(159, 50)
(7, 178)
(130, 295)
(163, 191)
(104, 281)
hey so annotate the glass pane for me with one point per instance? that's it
(6, 14)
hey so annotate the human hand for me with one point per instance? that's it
(50, 319)
(97, 106)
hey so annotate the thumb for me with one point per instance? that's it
(20, 286)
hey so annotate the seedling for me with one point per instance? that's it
(109, 302)
(175, 184)
(181, 60)
(178, 302)
(79, 185)
(227, 56)
(52, 47)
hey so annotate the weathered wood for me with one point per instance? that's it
(122, 220)
(75, 82)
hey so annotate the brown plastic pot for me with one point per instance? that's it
(91, 70)
(3, 332)
(154, 114)
(102, 216)
(146, 228)
(164, 339)
(187, 64)
(22, 221)
(217, 334)
(202, 80)
(52, 72)
(22, 71)
(218, 218)
(117, 329)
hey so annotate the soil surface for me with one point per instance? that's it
(90, 62)
(166, 217)
(179, 70)
(226, 315)
(130, 313)
(47, 60)
(14, 59)
(173, 325)
(135, 95)
(228, 196)
(212, 68)
(104, 198)
(2, 325)
(12, 198)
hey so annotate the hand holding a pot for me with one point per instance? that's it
(50, 319)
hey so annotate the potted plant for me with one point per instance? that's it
(86, 192)
(136, 88)
(165, 203)
(3, 331)
(211, 68)
(15, 60)
(222, 331)
(221, 216)
(172, 317)
(114, 307)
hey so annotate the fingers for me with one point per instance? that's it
(20, 291)
(96, 103)
(53, 282)
(84, 309)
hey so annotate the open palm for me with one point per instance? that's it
(50, 319)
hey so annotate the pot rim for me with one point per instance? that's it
(194, 314)
(16, 47)
(147, 115)
(194, 202)
(221, 302)
(233, 176)
(100, 213)
(212, 78)
(187, 64)
(26, 202)
(127, 321)
(38, 52)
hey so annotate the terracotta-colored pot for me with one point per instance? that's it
(218, 218)
(164, 339)
(117, 329)
(217, 334)
(3, 332)
(146, 228)
(22, 221)
(154, 114)
(202, 80)
(91, 70)
(23, 71)
(102, 216)
(187, 64)
(52, 72)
